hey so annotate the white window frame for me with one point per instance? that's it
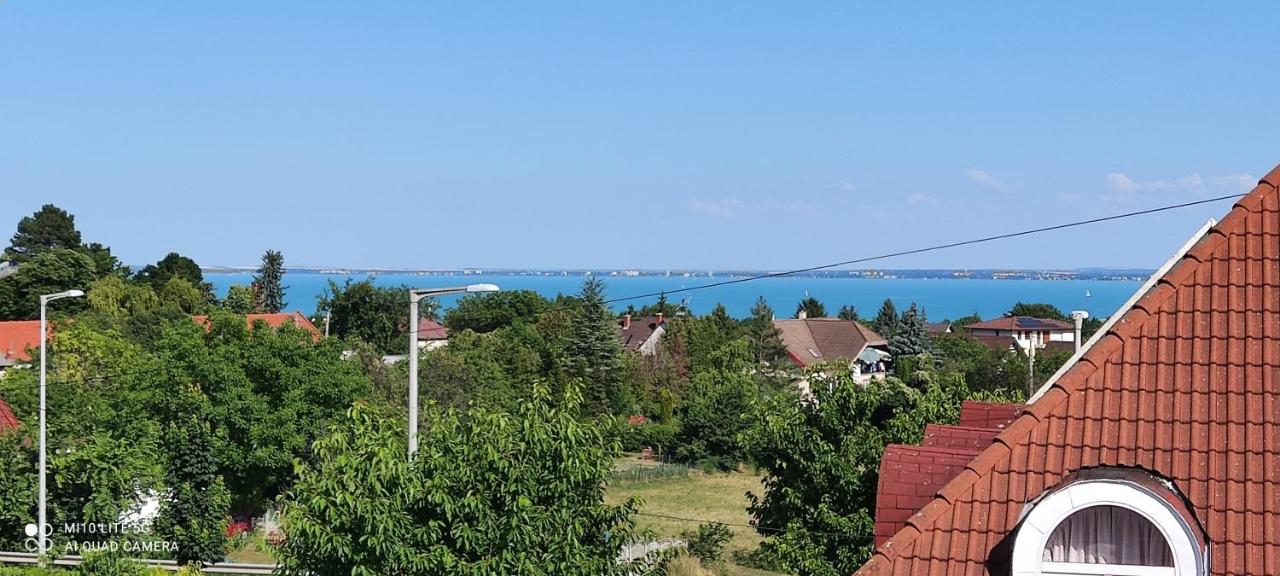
(1044, 516)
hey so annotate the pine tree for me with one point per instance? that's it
(848, 313)
(765, 338)
(886, 322)
(268, 289)
(594, 352)
(48, 229)
(910, 338)
(812, 308)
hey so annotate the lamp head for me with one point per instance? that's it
(481, 288)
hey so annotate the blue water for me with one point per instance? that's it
(941, 299)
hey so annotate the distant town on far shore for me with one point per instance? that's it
(1118, 274)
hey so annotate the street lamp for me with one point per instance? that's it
(414, 297)
(41, 523)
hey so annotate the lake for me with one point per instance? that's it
(940, 298)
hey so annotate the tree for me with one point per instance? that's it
(820, 461)
(173, 264)
(719, 395)
(46, 272)
(182, 296)
(811, 307)
(595, 354)
(848, 313)
(115, 298)
(50, 228)
(963, 321)
(764, 337)
(492, 493)
(17, 489)
(1037, 310)
(194, 516)
(886, 321)
(268, 287)
(489, 312)
(373, 314)
(910, 338)
(239, 299)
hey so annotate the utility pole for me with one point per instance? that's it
(42, 524)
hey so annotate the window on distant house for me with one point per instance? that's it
(1105, 527)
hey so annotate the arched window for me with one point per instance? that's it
(1105, 527)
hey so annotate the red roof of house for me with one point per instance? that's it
(16, 336)
(634, 332)
(1185, 384)
(8, 421)
(975, 414)
(273, 320)
(1022, 323)
(429, 329)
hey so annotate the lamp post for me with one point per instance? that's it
(416, 296)
(41, 523)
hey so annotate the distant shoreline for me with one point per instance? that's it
(1104, 274)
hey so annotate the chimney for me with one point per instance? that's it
(626, 321)
(802, 314)
(659, 318)
(1078, 316)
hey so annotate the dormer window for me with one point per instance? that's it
(1102, 527)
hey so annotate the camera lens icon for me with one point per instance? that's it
(32, 543)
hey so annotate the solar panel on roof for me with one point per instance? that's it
(1035, 323)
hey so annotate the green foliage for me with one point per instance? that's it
(886, 320)
(181, 295)
(909, 337)
(373, 314)
(848, 313)
(963, 321)
(489, 312)
(111, 563)
(1037, 310)
(50, 228)
(194, 515)
(116, 298)
(45, 272)
(173, 265)
(719, 395)
(594, 353)
(239, 299)
(17, 490)
(492, 493)
(811, 308)
(765, 339)
(707, 542)
(268, 284)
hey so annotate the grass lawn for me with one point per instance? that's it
(707, 497)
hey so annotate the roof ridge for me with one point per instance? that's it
(1079, 367)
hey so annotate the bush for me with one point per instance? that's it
(110, 563)
(660, 437)
(707, 542)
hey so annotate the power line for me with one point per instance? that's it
(886, 256)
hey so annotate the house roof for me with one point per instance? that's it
(1183, 384)
(429, 329)
(937, 328)
(275, 320)
(1022, 323)
(17, 336)
(634, 332)
(816, 340)
(8, 421)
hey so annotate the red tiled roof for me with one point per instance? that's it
(8, 421)
(273, 320)
(429, 329)
(1185, 384)
(966, 437)
(909, 477)
(814, 340)
(1022, 323)
(17, 336)
(634, 332)
(975, 414)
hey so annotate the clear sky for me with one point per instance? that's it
(632, 134)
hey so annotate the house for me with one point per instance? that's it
(17, 339)
(641, 334)
(431, 334)
(1154, 451)
(812, 341)
(275, 321)
(8, 420)
(937, 328)
(1025, 331)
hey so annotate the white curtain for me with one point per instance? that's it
(1108, 535)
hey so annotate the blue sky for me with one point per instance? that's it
(641, 134)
